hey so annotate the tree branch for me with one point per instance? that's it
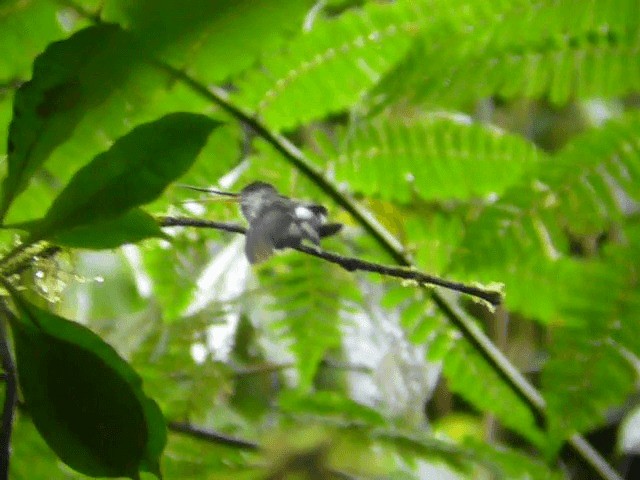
(207, 435)
(211, 436)
(351, 263)
(10, 394)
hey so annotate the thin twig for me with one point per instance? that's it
(10, 394)
(350, 263)
(211, 436)
(201, 223)
(266, 368)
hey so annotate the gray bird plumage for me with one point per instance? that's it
(277, 222)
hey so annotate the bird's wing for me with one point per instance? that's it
(257, 247)
(268, 232)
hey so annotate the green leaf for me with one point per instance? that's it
(84, 399)
(329, 68)
(438, 157)
(552, 50)
(131, 227)
(212, 39)
(69, 79)
(134, 171)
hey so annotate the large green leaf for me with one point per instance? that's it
(84, 399)
(134, 171)
(212, 39)
(69, 79)
(131, 227)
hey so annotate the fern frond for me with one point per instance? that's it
(587, 187)
(469, 375)
(440, 157)
(329, 68)
(556, 50)
(306, 296)
(585, 377)
(580, 192)
(589, 370)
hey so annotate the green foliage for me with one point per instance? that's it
(129, 174)
(331, 66)
(84, 399)
(69, 78)
(554, 50)
(576, 195)
(441, 157)
(309, 310)
(481, 141)
(212, 39)
(589, 364)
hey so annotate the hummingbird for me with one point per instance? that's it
(277, 222)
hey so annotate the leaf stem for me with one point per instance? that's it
(10, 394)
(211, 436)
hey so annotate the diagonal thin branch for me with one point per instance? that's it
(388, 242)
(211, 436)
(352, 264)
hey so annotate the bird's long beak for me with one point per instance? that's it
(234, 197)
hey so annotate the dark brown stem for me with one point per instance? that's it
(211, 436)
(351, 263)
(10, 393)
